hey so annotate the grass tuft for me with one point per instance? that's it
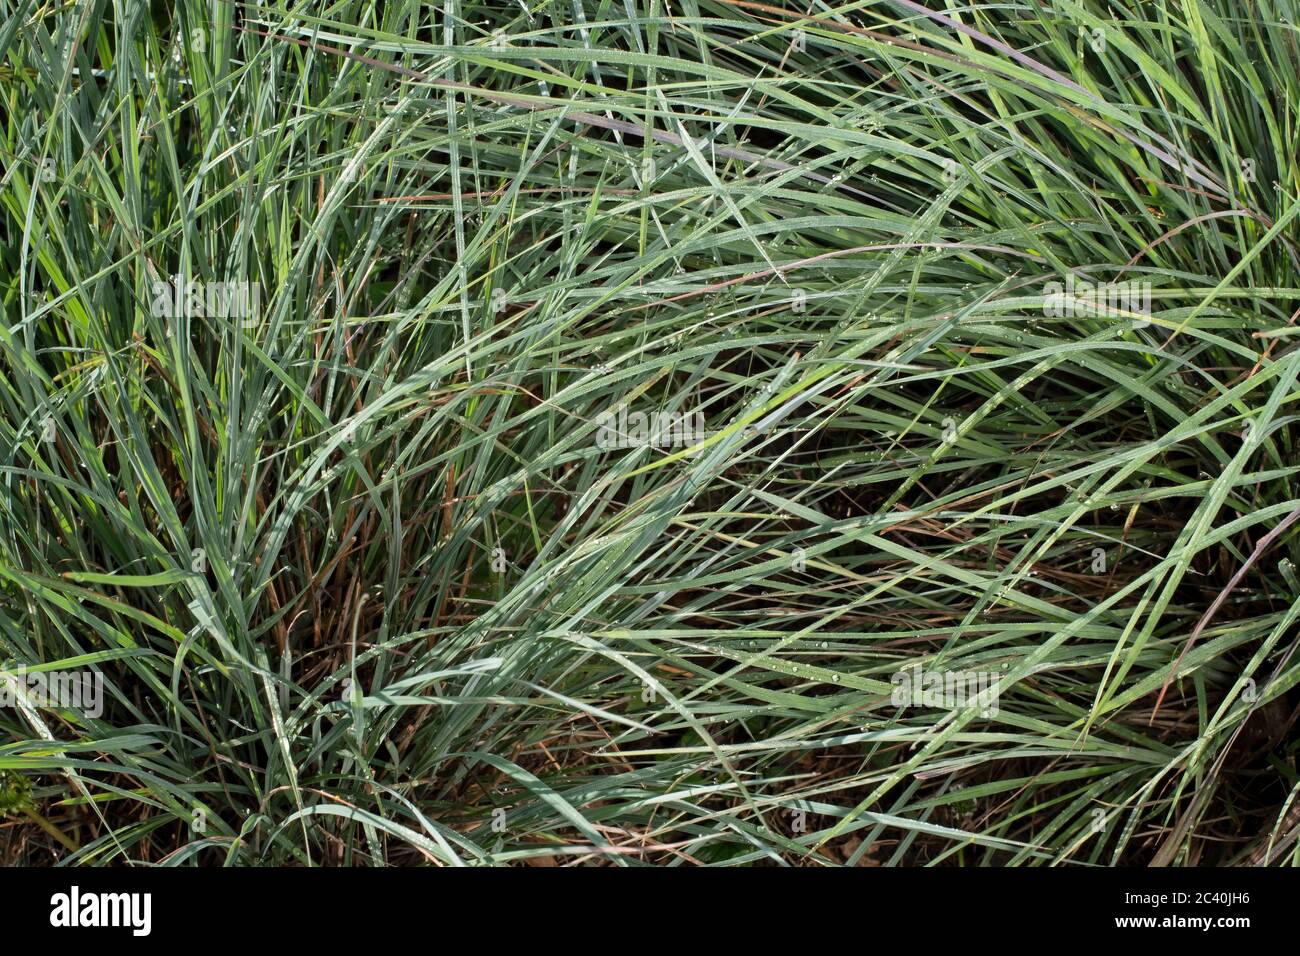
(551, 434)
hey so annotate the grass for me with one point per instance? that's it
(363, 583)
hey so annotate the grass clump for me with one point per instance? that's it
(314, 317)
